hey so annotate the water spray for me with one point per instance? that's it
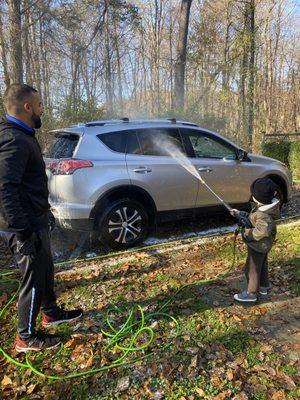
(243, 220)
(226, 205)
(176, 153)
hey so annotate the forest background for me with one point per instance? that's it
(229, 65)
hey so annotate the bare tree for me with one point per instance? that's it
(251, 71)
(3, 55)
(15, 30)
(179, 73)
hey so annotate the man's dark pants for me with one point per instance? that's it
(256, 270)
(37, 282)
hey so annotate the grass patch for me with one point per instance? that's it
(201, 326)
(252, 355)
(238, 341)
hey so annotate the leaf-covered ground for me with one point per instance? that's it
(221, 350)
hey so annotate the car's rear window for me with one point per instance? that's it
(62, 146)
(115, 141)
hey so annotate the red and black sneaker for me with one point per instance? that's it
(61, 316)
(37, 342)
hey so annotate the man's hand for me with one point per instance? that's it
(51, 220)
(29, 246)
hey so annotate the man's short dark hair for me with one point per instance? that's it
(16, 95)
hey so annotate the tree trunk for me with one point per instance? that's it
(3, 55)
(251, 72)
(108, 69)
(15, 38)
(179, 70)
(118, 59)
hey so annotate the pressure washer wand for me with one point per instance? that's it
(242, 219)
(226, 205)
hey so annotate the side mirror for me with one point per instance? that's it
(241, 155)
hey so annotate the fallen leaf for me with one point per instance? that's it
(220, 396)
(6, 381)
(69, 343)
(241, 396)
(89, 361)
(260, 388)
(123, 383)
(100, 305)
(229, 375)
(192, 350)
(286, 380)
(200, 392)
(216, 381)
(271, 371)
(194, 361)
(261, 356)
(31, 388)
(266, 348)
(279, 395)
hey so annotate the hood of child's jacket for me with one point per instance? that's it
(272, 209)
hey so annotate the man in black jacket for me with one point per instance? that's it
(25, 217)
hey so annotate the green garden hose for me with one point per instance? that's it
(124, 338)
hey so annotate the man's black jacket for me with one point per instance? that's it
(23, 181)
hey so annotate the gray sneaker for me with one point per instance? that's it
(245, 297)
(263, 290)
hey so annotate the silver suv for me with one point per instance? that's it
(117, 177)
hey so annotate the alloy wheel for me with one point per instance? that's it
(125, 225)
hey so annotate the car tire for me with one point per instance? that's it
(123, 224)
(279, 194)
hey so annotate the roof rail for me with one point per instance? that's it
(172, 120)
(141, 121)
(78, 125)
(168, 120)
(107, 122)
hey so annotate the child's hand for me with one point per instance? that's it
(234, 211)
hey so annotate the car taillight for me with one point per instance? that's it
(51, 166)
(68, 167)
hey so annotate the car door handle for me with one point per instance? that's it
(205, 169)
(142, 170)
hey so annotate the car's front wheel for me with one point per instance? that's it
(279, 195)
(123, 224)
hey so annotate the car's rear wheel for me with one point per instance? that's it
(123, 224)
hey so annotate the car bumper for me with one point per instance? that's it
(73, 216)
(84, 225)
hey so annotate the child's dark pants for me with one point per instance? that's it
(256, 270)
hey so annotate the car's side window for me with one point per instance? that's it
(133, 145)
(205, 146)
(160, 141)
(116, 141)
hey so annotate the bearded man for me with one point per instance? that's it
(25, 218)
